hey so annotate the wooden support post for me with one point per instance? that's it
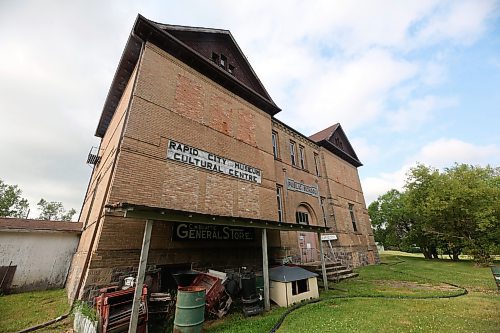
(323, 266)
(134, 316)
(265, 271)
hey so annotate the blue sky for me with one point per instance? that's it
(408, 80)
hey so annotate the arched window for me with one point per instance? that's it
(304, 214)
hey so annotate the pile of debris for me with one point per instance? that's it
(114, 303)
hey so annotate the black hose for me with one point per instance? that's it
(48, 323)
(463, 292)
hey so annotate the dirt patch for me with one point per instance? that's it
(405, 322)
(410, 285)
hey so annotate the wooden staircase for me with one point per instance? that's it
(335, 271)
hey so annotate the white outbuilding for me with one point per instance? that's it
(291, 284)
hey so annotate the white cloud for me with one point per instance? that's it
(367, 152)
(351, 92)
(347, 60)
(444, 152)
(322, 62)
(373, 187)
(459, 21)
(439, 154)
(417, 111)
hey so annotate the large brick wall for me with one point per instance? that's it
(97, 193)
(167, 100)
(195, 111)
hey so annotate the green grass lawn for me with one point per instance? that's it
(20, 311)
(406, 276)
(355, 305)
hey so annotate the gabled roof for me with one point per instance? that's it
(335, 140)
(324, 134)
(189, 45)
(289, 273)
(207, 40)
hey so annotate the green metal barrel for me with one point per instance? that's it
(189, 310)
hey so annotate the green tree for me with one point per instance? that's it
(467, 205)
(54, 210)
(389, 219)
(454, 210)
(11, 202)
(421, 182)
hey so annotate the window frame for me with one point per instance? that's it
(302, 218)
(223, 61)
(353, 217)
(293, 153)
(322, 203)
(215, 58)
(302, 157)
(298, 286)
(279, 198)
(275, 141)
(316, 164)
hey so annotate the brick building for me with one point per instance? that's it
(189, 141)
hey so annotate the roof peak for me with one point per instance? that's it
(335, 140)
(190, 28)
(324, 134)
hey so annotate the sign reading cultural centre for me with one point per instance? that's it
(293, 185)
(193, 231)
(189, 155)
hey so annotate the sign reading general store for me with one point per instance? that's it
(192, 231)
(293, 185)
(190, 155)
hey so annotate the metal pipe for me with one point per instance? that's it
(265, 270)
(323, 266)
(134, 317)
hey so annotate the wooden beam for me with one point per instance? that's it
(265, 271)
(323, 266)
(171, 215)
(134, 316)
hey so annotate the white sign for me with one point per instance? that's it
(189, 155)
(328, 237)
(293, 185)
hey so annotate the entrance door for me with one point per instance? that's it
(307, 247)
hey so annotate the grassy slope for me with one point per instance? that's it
(20, 311)
(476, 312)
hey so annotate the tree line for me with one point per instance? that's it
(452, 212)
(12, 204)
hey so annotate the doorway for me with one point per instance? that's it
(308, 247)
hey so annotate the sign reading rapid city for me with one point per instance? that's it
(193, 231)
(189, 155)
(293, 185)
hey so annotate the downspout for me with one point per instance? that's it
(96, 228)
(328, 188)
(285, 188)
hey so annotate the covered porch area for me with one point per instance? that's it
(152, 215)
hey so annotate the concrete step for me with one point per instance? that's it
(339, 278)
(337, 273)
(313, 267)
(333, 269)
(343, 277)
